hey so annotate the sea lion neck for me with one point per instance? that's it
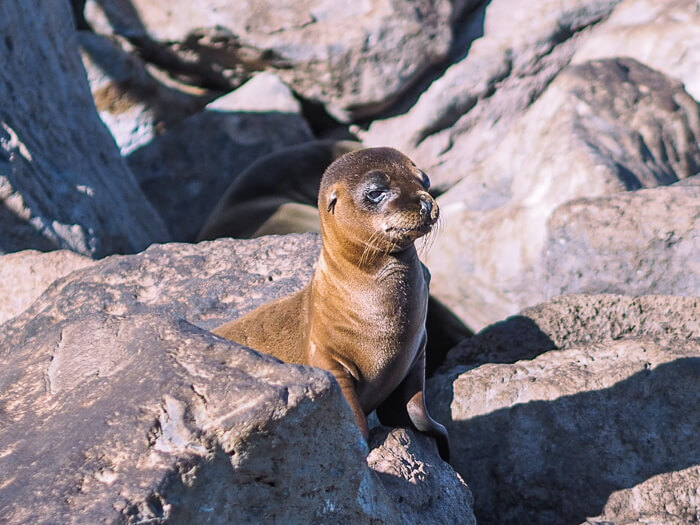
(339, 259)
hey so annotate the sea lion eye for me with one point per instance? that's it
(376, 195)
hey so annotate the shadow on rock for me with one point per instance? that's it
(508, 341)
(558, 461)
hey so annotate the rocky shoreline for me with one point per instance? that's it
(563, 140)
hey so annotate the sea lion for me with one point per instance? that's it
(276, 193)
(362, 316)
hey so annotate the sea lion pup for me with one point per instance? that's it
(362, 316)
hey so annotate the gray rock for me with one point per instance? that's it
(565, 436)
(134, 103)
(116, 407)
(666, 499)
(63, 183)
(643, 242)
(568, 321)
(662, 35)
(355, 58)
(601, 127)
(25, 275)
(185, 171)
(513, 54)
(411, 471)
(205, 284)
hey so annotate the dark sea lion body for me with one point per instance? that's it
(275, 194)
(362, 316)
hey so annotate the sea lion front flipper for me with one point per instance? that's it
(347, 385)
(406, 407)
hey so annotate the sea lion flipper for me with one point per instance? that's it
(406, 407)
(348, 385)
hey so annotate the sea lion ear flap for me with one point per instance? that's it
(331, 202)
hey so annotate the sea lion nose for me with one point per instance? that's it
(426, 206)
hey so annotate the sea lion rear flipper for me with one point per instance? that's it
(405, 407)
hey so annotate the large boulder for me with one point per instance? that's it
(185, 171)
(607, 426)
(601, 127)
(117, 407)
(662, 35)
(355, 58)
(512, 54)
(642, 242)
(63, 183)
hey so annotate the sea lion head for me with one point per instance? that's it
(377, 199)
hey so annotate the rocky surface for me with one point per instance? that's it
(185, 171)
(586, 429)
(63, 183)
(601, 127)
(576, 319)
(642, 242)
(670, 499)
(663, 35)
(414, 476)
(25, 275)
(116, 406)
(355, 58)
(512, 54)
(131, 97)
(563, 136)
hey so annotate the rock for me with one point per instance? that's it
(162, 280)
(185, 171)
(643, 242)
(63, 183)
(662, 35)
(116, 407)
(576, 319)
(666, 499)
(134, 104)
(25, 275)
(511, 56)
(411, 471)
(356, 59)
(263, 93)
(567, 434)
(601, 127)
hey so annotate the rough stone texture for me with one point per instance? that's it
(205, 284)
(570, 320)
(185, 171)
(666, 499)
(63, 183)
(25, 275)
(355, 58)
(663, 35)
(265, 92)
(643, 242)
(117, 408)
(552, 440)
(411, 470)
(511, 56)
(134, 104)
(600, 128)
